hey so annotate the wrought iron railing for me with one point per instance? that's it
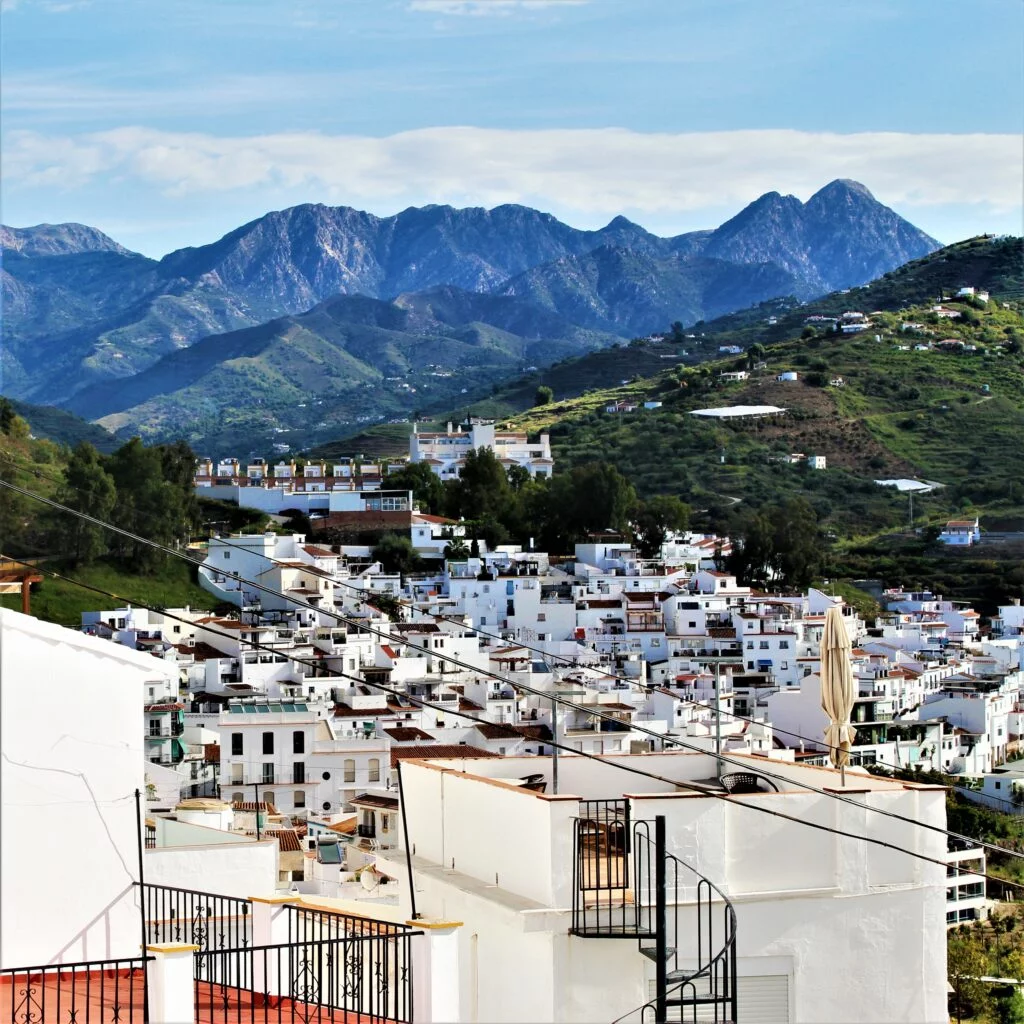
(204, 919)
(603, 905)
(344, 978)
(90, 992)
(696, 969)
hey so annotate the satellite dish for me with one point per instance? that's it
(369, 879)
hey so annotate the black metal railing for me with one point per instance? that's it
(150, 837)
(695, 970)
(363, 979)
(204, 919)
(603, 904)
(90, 992)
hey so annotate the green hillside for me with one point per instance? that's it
(953, 413)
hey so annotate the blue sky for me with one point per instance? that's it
(168, 124)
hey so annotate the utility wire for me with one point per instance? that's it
(662, 737)
(592, 710)
(692, 786)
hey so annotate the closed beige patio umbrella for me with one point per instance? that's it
(837, 691)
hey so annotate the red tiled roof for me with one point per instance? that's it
(344, 711)
(287, 839)
(316, 552)
(438, 751)
(408, 734)
(465, 704)
(165, 707)
(385, 803)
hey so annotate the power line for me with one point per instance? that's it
(692, 786)
(565, 659)
(592, 710)
(660, 736)
(555, 698)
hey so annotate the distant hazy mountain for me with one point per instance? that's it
(79, 309)
(634, 293)
(56, 240)
(363, 357)
(841, 237)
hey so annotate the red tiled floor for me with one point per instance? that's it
(68, 996)
(216, 1004)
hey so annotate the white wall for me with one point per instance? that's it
(72, 741)
(237, 869)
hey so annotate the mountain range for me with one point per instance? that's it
(331, 300)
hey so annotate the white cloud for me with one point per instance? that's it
(485, 7)
(589, 173)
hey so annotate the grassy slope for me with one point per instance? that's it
(58, 601)
(899, 413)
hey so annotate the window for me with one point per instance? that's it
(227, 555)
(764, 645)
(750, 664)
(298, 742)
(237, 798)
(750, 645)
(268, 743)
(783, 645)
(692, 625)
(784, 666)
(326, 805)
(268, 772)
(236, 743)
(298, 771)
(327, 776)
(386, 822)
(374, 769)
(350, 770)
(299, 798)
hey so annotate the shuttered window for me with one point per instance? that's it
(762, 998)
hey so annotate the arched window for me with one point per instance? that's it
(350, 770)
(299, 798)
(374, 769)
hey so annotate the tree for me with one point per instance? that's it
(518, 477)
(797, 542)
(543, 396)
(148, 503)
(754, 354)
(482, 489)
(653, 519)
(590, 498)
(89, 488)
(425, 484)
(395, 553)
(966, 962)
(676, 334)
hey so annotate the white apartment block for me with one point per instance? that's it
(445, 452)
(563, 884)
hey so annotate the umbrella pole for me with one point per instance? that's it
(842, 774)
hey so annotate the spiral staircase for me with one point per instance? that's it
(626, 885)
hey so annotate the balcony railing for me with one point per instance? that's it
(203, 919)
(89, 992)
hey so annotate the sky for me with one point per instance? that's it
(167, 125)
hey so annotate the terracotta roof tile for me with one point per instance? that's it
(438, 751)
